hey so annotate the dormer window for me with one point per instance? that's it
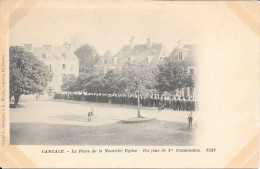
(131, 59)
(149, 59)
(115, 60)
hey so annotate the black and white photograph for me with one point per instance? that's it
(129, 84)
(103, 77)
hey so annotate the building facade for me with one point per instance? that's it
(61, 60)
(134, 54)
(185, 58)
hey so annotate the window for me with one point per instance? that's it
(131, 59)
(63, 66)
(182, 70)
(63, 77)
(63, 55)
(52, 88)
(180, 55)
(191, 71)
(71, 67)
(149, 59)
(115, 60)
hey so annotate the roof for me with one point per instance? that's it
(63, 53)
(41, 52)
(137, 55)
(106, 58)
(53, 53)
(188, 55)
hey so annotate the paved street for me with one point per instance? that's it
(65, 122)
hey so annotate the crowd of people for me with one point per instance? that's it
(153, 100)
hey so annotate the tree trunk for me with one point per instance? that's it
(16, 99)
(37, 96)
(138, 106)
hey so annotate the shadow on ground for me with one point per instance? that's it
(152, 133)
(12, 106)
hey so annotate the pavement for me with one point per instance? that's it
(76, 113)
(50, 121)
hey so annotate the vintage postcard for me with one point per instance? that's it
(129, 84)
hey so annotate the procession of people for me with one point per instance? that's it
(178, 103)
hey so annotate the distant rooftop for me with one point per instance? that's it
(136, 53)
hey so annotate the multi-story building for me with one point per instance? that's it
(134, 54)
(61, 60)
(185, 57)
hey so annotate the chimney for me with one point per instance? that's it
(67, 46)
(47, 47)
(132, 42)
(28, 47)
(179, 44)
(149, 43)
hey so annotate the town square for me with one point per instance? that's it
(129, 84)
(55, 122)
(136, 87)
(108, 109)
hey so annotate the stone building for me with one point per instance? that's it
(134, 54)
(61, 60)
(185, 57)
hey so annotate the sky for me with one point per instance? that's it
(108, 27)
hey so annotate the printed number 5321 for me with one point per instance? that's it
(210, 150)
